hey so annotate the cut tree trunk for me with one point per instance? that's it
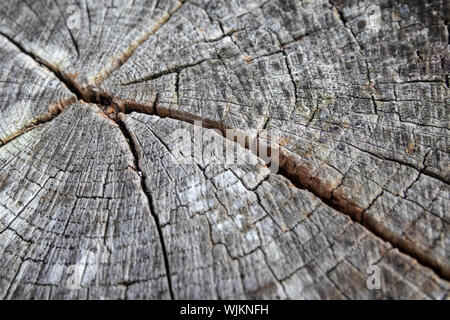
(114, 122)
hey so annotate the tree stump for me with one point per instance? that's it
(115, 117)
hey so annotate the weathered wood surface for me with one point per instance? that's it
(96, 200)
(29, 94)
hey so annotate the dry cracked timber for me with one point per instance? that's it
(95, 201)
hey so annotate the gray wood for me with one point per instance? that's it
(363, 112)
(29, 94)
(237, 231)
(89, 48)
(72, 202)
(97, 202)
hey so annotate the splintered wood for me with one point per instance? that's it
(116, 180)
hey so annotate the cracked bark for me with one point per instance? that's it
(203, 228)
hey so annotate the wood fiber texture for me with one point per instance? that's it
(101, 197)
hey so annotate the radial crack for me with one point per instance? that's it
(67, 80)
(114, 107)
(132, 140)
(125, 55)
(156, 75)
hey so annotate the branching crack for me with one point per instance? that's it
(114, 108)
(132, 144)
(154, 76)
(123, 58)
(302, 179)
(67, 80)
(54, 110)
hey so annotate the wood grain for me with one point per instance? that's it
(97, 202)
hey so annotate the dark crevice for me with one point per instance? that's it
(155, 106)
(177, 86)
(335, 5)
(133, 149)
(156, 75)
(123, 58)
(298, 175)
(301, 177)
(74, 42)
(370, 205)
(67, 79)
(292, 77)
(111, 107)
(224, 35)
(54, 110)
